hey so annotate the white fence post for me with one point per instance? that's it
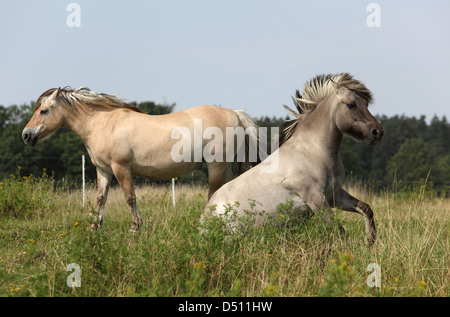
(82, 176)
(173, 191)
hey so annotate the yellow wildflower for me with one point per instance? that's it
(199, 266)
(271, 290)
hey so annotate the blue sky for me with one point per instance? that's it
(240, 54)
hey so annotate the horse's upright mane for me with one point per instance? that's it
(85, 98)
(316, 90)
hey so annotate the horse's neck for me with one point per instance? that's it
(80, 123)
(318, 130)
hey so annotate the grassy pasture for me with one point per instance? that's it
(43, 230)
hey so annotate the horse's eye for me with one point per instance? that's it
(44, 111)
(351, 106)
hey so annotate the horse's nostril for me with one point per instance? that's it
(375, 132)
(28, 137)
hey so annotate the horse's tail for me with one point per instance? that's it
(251, 138)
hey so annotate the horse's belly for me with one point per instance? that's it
(163, 170)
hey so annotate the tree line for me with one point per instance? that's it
(412, 150)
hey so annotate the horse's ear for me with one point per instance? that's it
(56, 93)
(339, 89)
(334, 84)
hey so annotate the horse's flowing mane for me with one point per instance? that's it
(84, 98)
(315, 91)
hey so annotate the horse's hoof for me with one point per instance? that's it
(134, 229)
(94, 226)
(136, 225)
(370, 241)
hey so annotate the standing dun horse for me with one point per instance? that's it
(310, 171)
(123, 141)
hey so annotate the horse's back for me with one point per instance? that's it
(213, 115)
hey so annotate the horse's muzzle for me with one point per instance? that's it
(30, 137)
(376, 135)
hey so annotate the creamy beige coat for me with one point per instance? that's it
(122, 141)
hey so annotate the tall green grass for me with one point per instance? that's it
(43, 229)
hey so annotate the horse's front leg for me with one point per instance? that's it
(103, 183)
(345, 201)
(123, 175)
(316, 201)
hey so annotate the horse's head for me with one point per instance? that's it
(46, 118)
(353, 116)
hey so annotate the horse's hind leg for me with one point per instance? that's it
(218, 174)
(103, 183)
(123, 175)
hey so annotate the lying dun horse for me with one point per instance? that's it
(310, 171)
(124, 141)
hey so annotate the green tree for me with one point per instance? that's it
(154, 109)
(412, 161)
(443, 167)
(437, 136)
(355, 159)
(397, 130)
